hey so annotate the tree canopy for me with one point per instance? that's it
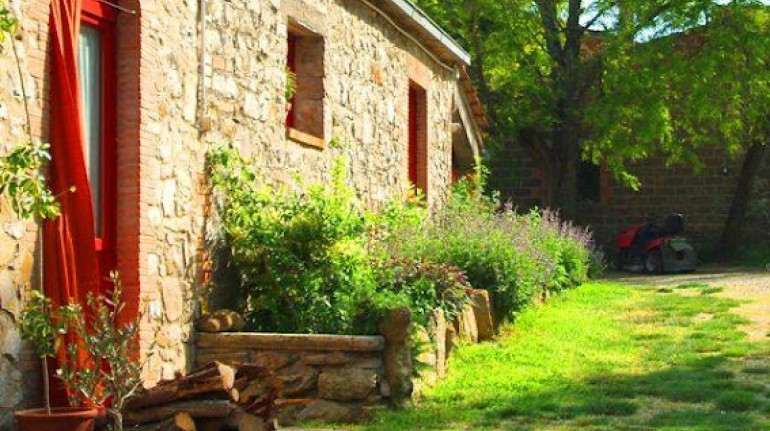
(618, 81)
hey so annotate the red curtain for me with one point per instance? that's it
(70, 263)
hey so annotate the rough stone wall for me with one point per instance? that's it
(165, 127)
(704, 197)
(365, 116)
(18, 368)
(333, 379)
(366, 93)
(171, 162)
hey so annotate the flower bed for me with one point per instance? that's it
(313, 260)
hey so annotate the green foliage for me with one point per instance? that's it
(99, 348)
(112, 373)
(291, 85)
(423, 287)
(627, 71)
(39, 326)
(517, 258)
(21, 179)
(302, 256)
(23, 183)
(8, 23)
(315, 261)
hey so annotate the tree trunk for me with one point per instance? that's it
(117, 420)
(563, 46)
(733, 228)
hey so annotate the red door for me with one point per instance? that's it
(96, 64)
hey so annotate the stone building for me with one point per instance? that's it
(378, 82)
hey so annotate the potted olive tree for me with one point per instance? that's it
(107, 373)
(23, 185)
(100, 368)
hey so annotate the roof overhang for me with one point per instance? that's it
(417, 23)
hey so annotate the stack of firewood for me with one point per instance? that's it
(208, 399)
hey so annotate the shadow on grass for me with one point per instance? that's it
(695, 384)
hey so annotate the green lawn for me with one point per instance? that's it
(606, 357)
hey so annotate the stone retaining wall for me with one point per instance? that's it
(344, 379)
(321, 377)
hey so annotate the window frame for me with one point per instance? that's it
(104, 18)
(295, 32)
(417, 167)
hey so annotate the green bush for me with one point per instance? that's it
(316, 261)
(425, 286)
(516, 257)
(302, 256)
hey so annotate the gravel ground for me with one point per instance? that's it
(750, 286)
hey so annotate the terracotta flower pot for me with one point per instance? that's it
(60, 419)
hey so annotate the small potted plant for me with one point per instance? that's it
(102, 376)
(46, 328)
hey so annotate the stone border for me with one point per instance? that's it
(315, 342)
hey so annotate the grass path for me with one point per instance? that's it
(608, 356)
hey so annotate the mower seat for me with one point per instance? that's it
(673, 225)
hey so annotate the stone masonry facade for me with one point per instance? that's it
(169, 115)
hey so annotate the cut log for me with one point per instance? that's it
(232, 320)
(237, 421)
(209, 324)
(196, 409)
(252, 371)
(180, 422)
(221, 321)
(264, 407)
(242, 421)
(211, 379)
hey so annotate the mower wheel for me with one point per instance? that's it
(653, 264)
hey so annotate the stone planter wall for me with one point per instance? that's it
(345, 379)
(324, 378)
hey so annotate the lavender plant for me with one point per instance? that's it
(516, 257)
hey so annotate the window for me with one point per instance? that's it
(305, 118)
(96, 64)
(418, 138)
(91, 82)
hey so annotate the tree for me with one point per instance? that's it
(731, 103)
(612, 82)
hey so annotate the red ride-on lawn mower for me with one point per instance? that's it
(656, 249)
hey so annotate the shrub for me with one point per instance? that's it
(516, 257)
(315, 261)
(426, 286)
(302, 256)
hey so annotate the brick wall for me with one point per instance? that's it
(703, 197)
